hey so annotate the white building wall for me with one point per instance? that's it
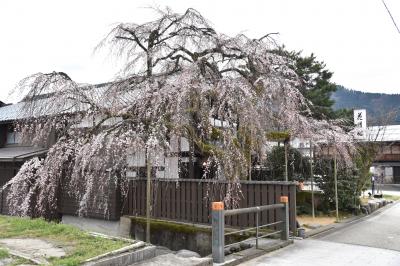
(166, 166)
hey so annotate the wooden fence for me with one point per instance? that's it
(188, 200)
(69, 205)
(3, 202)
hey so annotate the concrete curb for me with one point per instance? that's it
(127, 258)
(130, 248)
(27, 257)
(249, 254)
(319, 230)
(206, 263)
(172, 259)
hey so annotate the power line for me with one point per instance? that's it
(390, 14)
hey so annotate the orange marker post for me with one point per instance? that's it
(285, 218)
(218, 238)
(217, 206)
(284, 199)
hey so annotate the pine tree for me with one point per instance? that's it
(316, 85)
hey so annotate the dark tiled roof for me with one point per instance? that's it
(11, 112)
(17, 111)
(20, 153)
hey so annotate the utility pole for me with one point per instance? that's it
(250, 165)
(312, 179)
(285, 144)
(250, 156)
(148, 196)
(336, 190)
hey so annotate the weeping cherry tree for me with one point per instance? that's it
(179, 75)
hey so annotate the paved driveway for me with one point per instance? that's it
(374, 240)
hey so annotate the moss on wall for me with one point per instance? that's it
(163, 225)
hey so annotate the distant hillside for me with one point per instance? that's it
(378, 105)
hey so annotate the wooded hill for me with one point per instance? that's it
(381, 108)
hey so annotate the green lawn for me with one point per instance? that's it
(78, 244)
(3, 254)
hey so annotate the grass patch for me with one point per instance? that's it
(391, 197)
(364, 200)
(3, 254)
(78, 245)
(19, 261)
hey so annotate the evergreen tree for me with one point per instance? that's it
(316, 85)
(347, 180)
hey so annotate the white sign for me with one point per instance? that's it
(360, 121)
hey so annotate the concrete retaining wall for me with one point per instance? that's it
(173, 235)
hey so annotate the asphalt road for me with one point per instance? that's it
(373, 240)
(379, 231)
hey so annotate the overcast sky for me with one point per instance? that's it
(355, 38)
